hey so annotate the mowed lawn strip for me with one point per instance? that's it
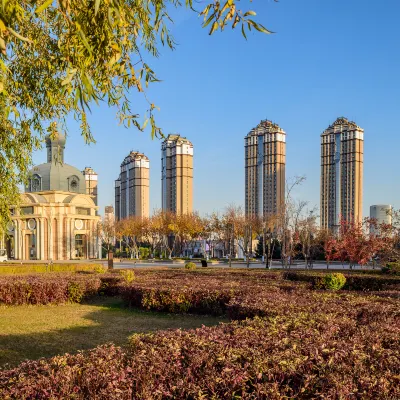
(31, 332)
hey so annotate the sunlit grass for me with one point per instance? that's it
(31, 332)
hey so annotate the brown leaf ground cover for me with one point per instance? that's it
(285, 340)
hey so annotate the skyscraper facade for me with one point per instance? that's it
(132, 187)
(265, 162)
(177, 174)
(382, 214)
(91, 181)
(342, 156)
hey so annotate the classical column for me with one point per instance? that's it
(68, 236)
(50, 236)
(38, 243)
(16, 239)
(42, 222)
(72, 254)
(60, 237)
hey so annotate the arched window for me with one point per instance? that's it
(73, 184)
(35, 183)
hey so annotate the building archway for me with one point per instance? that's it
(81, 246)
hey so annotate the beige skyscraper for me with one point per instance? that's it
(177, 174)
(265, 161)
(132, 187)
(91, 181)
(342, 156)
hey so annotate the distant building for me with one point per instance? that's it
(177, 174)
(382, 213)
(132, 187)
(265, 164)
(109, 214)
(56, 219)
(342, 157)
(91, 183)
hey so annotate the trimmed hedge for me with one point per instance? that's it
(354, 281)
(26, 268)
(46, 289)
(177, 300)
(296, 356)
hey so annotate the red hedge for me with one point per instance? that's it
(298, 356)
(46, 289)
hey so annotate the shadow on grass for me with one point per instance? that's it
(31, 332)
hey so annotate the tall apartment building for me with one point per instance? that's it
(382, 213)
(265, 162)
(109, 214)
(342, 155)
(132, 187)
(177, 174)
(91, 180)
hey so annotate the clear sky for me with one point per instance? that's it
(328, 58)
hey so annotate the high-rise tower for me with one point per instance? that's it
(132, 187)
(342, 156)
(91, 183)
(265, 159)
(177, 174)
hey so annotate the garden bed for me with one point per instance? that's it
(285, 340)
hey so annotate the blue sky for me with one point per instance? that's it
(328, 58)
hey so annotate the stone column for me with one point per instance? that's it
(38, 242)
(50, 237)
(60, 237)
(72, 254)
(68, 236)
(16, 234)
(40, 239)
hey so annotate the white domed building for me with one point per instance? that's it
(56, 220)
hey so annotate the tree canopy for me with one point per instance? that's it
(58, 57)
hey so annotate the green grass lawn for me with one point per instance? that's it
(31, 332)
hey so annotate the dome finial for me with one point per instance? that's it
(55, 143)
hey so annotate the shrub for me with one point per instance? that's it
(127, 275)
(391, 268)
(144, 252)
(111, 284)
(334, 281)
(100, 269)
(47, 288)
(26, 268)
(190, 265)
(75, 292)
(292, 356)
(354, 281)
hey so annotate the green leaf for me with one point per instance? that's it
(243, 32)
(261, 28)
(214, 27)
(249, 13)
(43, 7)
(96, 7)
(210, 18)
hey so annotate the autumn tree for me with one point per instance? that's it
(105, 231)
(306, 235)
(58, 58)
(131, 231)
(355, 243)
(288, 217)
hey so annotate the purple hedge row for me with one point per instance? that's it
(300, 356)
(354, 281)
(46, 289)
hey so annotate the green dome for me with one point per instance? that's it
(55, 174)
